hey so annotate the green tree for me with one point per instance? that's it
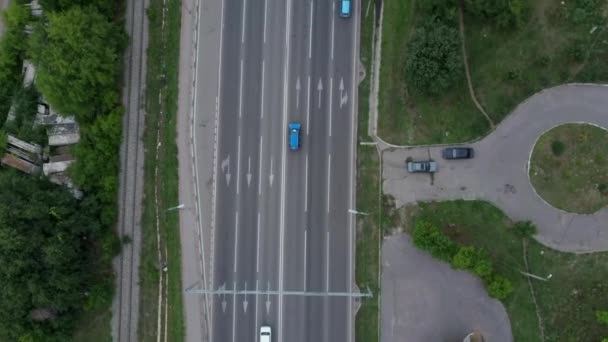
(42, 234)
(505, 13)
(434, 59)
(78, 54)
(96, 167)
(500, 287)
(429, 238)
(483, 269)
(602, 316)
(524, 229)
(106, 7)
(465, 258)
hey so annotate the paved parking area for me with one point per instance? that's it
(499, 171)
(426, 300)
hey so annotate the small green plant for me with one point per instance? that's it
(500, 287)
(602, 317)
(524, 229)
(558, 148)
(429, 238)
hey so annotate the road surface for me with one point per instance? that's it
(280, 219)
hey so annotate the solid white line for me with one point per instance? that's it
(257, 289)
(327, 262)
(238, 166)
(308, 108)
(241, 91)
(333, 19)
(236, 238)
(234, 313)
(304, 269)
(284, 168)
(310, 31)
(260, 168)
(331, 93)
(262, 95)
(328, 180)
(257, 259)
(243, 21)
(265, 16)
(306, 185)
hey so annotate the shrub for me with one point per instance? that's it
(434, 60)
(500, 287)
(558, 148)
(429, 238)
(465, 259)
(602, 317)
(524, 229)
(483, 269)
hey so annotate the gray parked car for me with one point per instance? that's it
(458, 153)
(421, 166)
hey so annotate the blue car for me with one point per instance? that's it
(294, 135)
(345, 8)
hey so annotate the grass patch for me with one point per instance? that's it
(556, 42)
(94, 326)
(368, 228)
(569, 165)
(567, 302)
(163, 58)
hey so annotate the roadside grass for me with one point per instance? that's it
(404, 117)
(161, 119)
(94, 326)
(569, 167)
(567, 301)
(553, 45)
(368, 229)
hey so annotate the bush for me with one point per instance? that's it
(602, 317)
(100, 295)
(483, 269)
(558, 148)
(465, 259)
(500, 287)
(524, 229)
(429, 238)
(505, 13)
(434, 60)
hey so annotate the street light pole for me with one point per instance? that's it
(181, 206)
(355, 212)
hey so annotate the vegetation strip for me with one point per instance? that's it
(161, 292)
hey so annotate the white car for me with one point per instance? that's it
(265, 334)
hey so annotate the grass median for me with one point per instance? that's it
(567, 301)
(368, 228)
(161, 105)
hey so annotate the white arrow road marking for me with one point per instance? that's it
(245, 301)
(267, 299)
(298, 93)
(271, 177)
(226, 169)
(343, 95)
(320, 90)
(249, 173)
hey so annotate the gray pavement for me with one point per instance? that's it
(499, 171)
(273, 219)
(426, 300)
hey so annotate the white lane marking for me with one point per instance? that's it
(271, 176)
(265, 16)
(310, 31)
(234, 313)
(328, 180)
(241, 91)
(260, 167)
(249, 175)
(257, 259)
(262, 96)
(298, 93)
(306, 185)
(331, 94)
(308, 108)
(284, 168)
(327, 262)
(257, 289)
(304, 269)
(238, 165)
(236, 238)
(351, 223)
(333, 19)
(343, 95)
(243, 21)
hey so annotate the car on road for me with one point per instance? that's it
(458, 153)
(265, 334)
(421, 166)
(345, 8)
(294, 135)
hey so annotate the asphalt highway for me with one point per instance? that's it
(282, 219)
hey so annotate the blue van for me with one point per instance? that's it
(294, 135)
(345, 8)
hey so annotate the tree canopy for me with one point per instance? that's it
(78, 54)
(434, 61)
(43, 231)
